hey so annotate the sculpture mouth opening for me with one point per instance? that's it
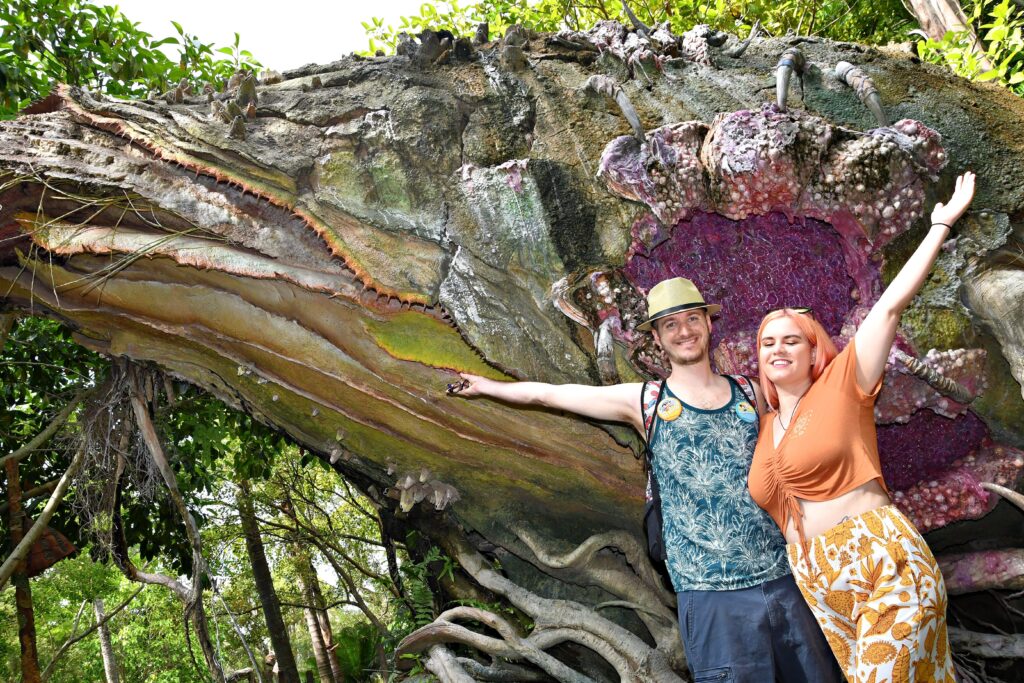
(749, 267)
(768, 209)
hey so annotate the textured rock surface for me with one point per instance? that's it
(403, 220)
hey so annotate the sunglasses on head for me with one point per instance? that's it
(802, 310)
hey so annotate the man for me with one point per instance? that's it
(741, 616)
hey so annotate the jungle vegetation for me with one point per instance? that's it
(348, 586)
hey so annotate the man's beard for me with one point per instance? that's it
(691, 359)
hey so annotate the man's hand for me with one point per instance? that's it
(469, 386)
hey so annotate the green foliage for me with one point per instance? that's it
(417, 578)
(1001, 35)
(80, 43)
(357, 649)
(41, 368)
(148, 635)
(878, 22)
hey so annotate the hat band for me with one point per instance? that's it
(675, 309)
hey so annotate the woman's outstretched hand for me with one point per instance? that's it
(949, 212)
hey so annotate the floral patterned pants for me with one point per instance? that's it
(878, 595)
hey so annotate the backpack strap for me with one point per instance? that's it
(747, 386)
(649, 398)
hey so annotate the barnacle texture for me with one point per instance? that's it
(752, 266)
(665, 173)
(868, 186)
(957, 493)
(904, 394)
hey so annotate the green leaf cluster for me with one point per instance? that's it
(43, 42)
(1001, 34)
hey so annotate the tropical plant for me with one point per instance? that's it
(43, 42)
(1002, 36)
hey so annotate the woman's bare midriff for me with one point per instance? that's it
(820, 516)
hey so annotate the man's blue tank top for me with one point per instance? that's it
(716, 537)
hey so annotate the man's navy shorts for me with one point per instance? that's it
(754, 635)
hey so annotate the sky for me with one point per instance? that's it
(282, 35)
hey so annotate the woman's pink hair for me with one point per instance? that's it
(816, 336)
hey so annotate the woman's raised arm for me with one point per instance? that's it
(875, 335)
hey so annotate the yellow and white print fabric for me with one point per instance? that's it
(878, 595)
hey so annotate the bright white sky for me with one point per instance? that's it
(281, 34)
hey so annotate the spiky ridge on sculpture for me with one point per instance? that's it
(650, 45)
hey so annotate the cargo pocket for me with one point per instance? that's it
(723, 673)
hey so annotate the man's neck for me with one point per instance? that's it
(695, 375)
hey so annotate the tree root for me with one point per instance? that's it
(983, 570)
(555, 622)
(501, 672)
(443, 664)
(987, 645)
(626, 574)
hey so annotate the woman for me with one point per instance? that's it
(863, 568)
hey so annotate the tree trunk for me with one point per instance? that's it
(6, 325)
(937, 17)
(22, 588)
(308, 582)
(409, 219)
(279, 639)
(106, 647)
(191, 598)
(325, 628)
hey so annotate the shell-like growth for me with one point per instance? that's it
(237, 131)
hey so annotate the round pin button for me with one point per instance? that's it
(746, 411)
(669, 409)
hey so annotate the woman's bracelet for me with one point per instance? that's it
(945, 225)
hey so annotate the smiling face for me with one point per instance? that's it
(685, 336)
(785, 354)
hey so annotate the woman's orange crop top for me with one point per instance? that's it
(829, 449)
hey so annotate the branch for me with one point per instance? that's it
(32, 493)
(51, 429)
(72, 639)
(353, 590)
(238, 632)
(33, 534)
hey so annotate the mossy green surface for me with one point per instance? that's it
(1001, 405)
(417, 337)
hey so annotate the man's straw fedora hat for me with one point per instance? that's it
(672, 296)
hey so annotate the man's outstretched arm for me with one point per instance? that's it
(617, 402)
